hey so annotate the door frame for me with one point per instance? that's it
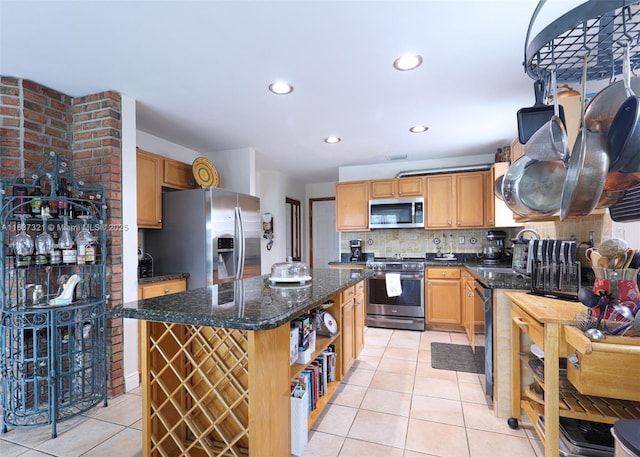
(311, 201)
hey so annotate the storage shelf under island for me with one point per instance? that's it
(215, 364)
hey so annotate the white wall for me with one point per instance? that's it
(129, 240)
(165, 148)
(391, 168)
(130, 139)
(274, 188)
(237, 168)
(628, 231)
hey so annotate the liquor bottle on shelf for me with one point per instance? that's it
(63, 195)
(20, 194)
(69, 254)
(36, 201)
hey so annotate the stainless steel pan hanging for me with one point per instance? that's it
(588, 166)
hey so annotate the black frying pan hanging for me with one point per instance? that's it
(532, 118)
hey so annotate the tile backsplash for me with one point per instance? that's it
(416, 242)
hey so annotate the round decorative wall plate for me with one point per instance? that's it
(205, 173)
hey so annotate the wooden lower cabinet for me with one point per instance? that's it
(348, 323)
(359, 316)
(468, 307)
(443, 296)
(353, 317)
(160, 288)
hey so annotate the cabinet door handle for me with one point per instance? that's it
(520, 322)
(167, 290)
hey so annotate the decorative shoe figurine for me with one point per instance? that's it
(66, 296)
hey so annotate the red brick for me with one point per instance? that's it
(8, 111)
(7, 100)
(10, 121)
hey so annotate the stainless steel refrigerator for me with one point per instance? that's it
(212, 234)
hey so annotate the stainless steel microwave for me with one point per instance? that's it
(396, 213)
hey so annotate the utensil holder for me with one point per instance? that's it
(621, 283)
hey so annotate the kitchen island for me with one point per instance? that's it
(215, 363)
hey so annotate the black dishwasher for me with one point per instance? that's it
(484, 294)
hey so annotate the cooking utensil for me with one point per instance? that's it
(549, 142)
(593, 256)
(595, 334)
(624, 132)
(603, 106)
(532, 188)
(588, 298)
(617, 181)
(532, 118)
(609, 198)
(588, 167)
(612, 247)
(628, 258)
(497, 187)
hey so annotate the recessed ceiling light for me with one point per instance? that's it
(281, 88)
(332, 140)
(419, 129)
(407, 62)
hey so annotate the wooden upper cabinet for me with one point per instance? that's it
(397, 188)
(470, 199)
(148, 188)
(489, 199)
(440, 201)
(153, 172)
(456, 200)
(352, 206)
(178, 175)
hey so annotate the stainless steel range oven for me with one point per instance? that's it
(405, 311)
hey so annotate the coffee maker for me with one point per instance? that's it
(493, 247)
(356, 250)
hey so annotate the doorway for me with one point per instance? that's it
(293, 229)
(323, 237)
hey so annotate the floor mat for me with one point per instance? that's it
(457, 357)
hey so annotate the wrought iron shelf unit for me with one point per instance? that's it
(600, 27)
(53, 360)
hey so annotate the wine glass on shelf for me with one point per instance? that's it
(22, 243)
(44, 241)
(84, 241)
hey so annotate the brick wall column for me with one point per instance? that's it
(97, 158)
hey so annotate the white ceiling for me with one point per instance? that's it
(199, 71)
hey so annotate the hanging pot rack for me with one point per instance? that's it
(600, 27)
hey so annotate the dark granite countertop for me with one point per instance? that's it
(162, 277)
(248, 304)
(492, 279)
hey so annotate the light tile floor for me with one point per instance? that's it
(391, 404)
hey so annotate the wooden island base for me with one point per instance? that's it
(216, 379)
(205, 388)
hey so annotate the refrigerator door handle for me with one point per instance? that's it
(241, 243)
